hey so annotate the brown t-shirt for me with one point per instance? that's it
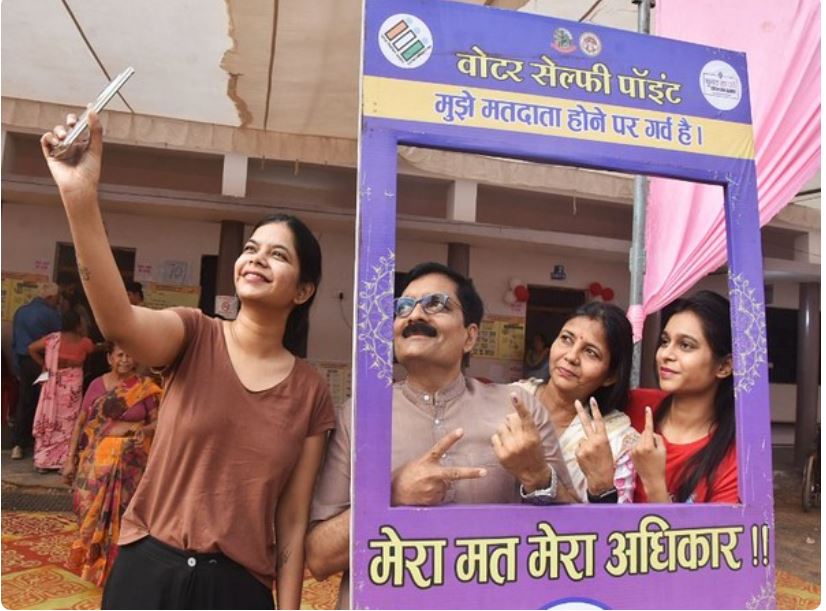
(222, 454)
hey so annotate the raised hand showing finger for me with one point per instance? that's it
(648, 430)
(593, 453)
(649, 458)
(522, 411)
(584, 418)
(518, 447)
(441, 447)
(599, 423)
(425, 481)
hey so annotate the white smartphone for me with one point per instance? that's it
(99, 104)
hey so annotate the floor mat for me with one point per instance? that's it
(35, 546)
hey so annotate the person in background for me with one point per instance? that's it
(536, 359)
(134, 291)
(590, 363)
(31, 322)
(71, 294)
(107, 456)
(687, 451)
(61, 356)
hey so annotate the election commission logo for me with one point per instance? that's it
(720, 85)
(590, 44)
(405, 41)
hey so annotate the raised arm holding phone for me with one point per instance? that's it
(224, 501)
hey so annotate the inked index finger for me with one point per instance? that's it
(521, 410)
(443, 445)
(599, 423)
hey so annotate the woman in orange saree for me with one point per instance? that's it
(107, 457)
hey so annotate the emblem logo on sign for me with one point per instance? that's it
(405, 41)
(590, 44)
(720, 85)
(563, 41)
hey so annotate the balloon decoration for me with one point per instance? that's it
(597, 290)
(518, 292)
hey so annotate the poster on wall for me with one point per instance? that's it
(511, 342)
(160, 296)
(486, 343)
(19, 289)
(475, 79)
(501, 337)
(339, 379)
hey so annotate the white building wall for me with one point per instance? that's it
(331, 318)
(30, 233)
(493, 268)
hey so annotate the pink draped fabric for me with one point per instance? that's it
(685, 229)
(57, 409)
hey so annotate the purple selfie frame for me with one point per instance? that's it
(714, 555)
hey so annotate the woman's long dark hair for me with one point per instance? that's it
(620, 342)
(309, 271)
(70, 321)
(714, 314)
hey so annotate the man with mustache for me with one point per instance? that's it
(455, 439)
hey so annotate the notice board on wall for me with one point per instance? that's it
(501, 337)
(160, 296)
(18, 290)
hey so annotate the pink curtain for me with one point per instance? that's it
(685, 227)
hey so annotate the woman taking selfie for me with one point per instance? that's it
(687, 452)
(222, 507)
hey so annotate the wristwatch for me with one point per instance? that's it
(609, 496)
(541, 496)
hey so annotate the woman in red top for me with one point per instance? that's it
(61, 354)
(687, 454)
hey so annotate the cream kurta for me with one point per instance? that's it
(420, 419)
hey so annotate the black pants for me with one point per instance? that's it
(27, 399)
(149, 574)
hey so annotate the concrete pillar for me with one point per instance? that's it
(461, 206)
(458, 258)
(229, 248)
(461, 201)
(234, 181)
(807, 247)
(650, 342)
(6, 152)
(808, 363)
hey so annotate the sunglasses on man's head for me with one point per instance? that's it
(432, 303)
